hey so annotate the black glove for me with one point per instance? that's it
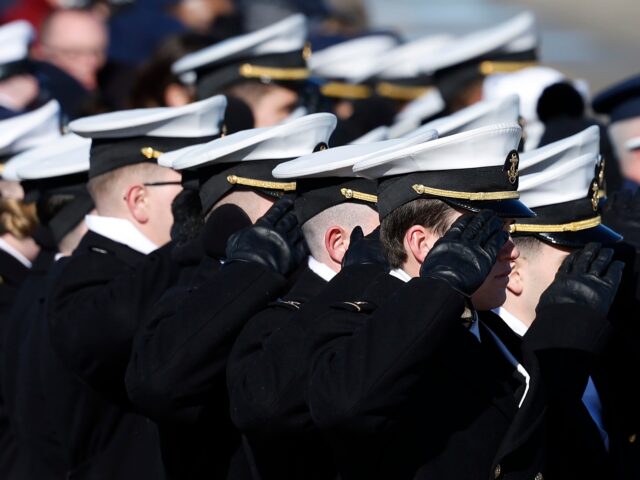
(621, 212)
(464, 256)
(587, 277)
(275, 241)
(365, 250)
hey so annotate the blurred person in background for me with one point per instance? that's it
(75, 41)
(621, 102)
(155, 85)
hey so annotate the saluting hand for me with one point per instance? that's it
(464, 256)
(589, 277)
(365, 250)
(275, 241)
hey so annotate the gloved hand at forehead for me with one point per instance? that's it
(275, 241)
(465, 255)
(365, 250)
(589, 277)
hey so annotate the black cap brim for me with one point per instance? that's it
(600, 234)
(504, 208)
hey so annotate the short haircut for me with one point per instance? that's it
(17, 218)
(528, 245)
(346, 215)
(430, 213)
(105, 187)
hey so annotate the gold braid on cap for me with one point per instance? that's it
(365, 197)
(556, 228)
(489, 66)
(474, 196)
(401, 92)
(345, 90)
(248, 70)
(251, 182)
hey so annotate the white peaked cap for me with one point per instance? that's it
(519, 34)
(422, 107)
(633, 144)
(352, 58)
(528, 84)
(339, 161)
(561, 171)
(378, 134)
(287, 35)
(30, 129)
(66, 155)
(407, 60)
(481, 114)
(412, 115)
(287, 140)
(15, 38)
(482, 147)
(198, 119)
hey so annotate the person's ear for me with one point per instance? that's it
(516, 277)
(336, 243)
(137, 201)
(418, 241)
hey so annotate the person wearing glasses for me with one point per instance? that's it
(99, 296)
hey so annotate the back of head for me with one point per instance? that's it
(433, 214)
(345, 215)
(109, 189)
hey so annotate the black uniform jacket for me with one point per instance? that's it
(40, 446)
(267, 375)
(565, 346)
(177, 372)
(12, 275)
(405, 390)
(96, 302)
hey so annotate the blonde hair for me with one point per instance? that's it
(17, 218)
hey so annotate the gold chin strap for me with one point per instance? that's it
(345, 90)
(488, 67)
(365, 197)
(556, 228)
(150, 152)
(248, 70)
(400, 92)
(474, 196)
(251, 182)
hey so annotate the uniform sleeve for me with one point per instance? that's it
(364, 366)
(178, 364)
(267, 371)
(95, 308)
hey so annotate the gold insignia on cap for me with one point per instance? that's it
(513, 161)
(307, 51)
(601, 166)
(150, 152)
(320, 147)
(595, 195)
